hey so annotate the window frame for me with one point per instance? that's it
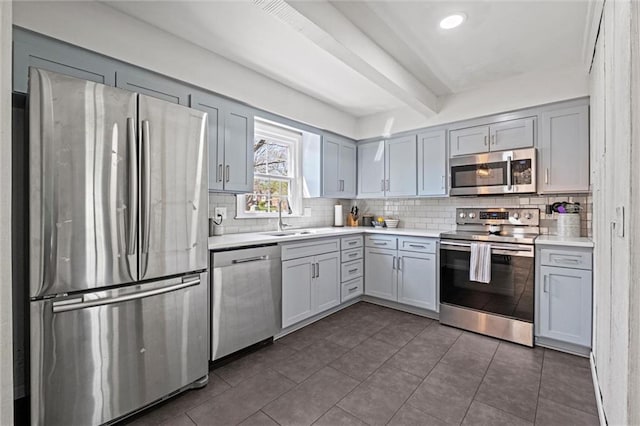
(279, 133)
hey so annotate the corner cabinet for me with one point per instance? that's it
(564, 298)
(388, 168)
(432, 163)
(230, 143)
(338, 167)
(563, 150)
(500, 136)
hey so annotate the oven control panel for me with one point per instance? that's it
(495, 216)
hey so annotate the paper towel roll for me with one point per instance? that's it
(337, 215)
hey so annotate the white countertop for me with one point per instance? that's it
(255, 238)
(557, 240)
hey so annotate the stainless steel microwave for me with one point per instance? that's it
(504, 172)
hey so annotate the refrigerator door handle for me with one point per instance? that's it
(146, 186)
(81, 303)
(133, 187)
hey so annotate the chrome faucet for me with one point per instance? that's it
(282, 225)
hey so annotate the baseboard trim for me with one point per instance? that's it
(596, 389)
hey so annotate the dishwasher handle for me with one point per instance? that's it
(250, 259)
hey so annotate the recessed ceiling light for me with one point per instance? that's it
(452, 21)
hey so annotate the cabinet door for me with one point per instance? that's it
(238, 149)
(417, 279)
(32, 50)
(371, 169)
(512, 134)
(331, 184)
(401, 166)
(432, 163)
(152, 84)
(298, 298)
(565, 305)
(348, 169)
(380, 274)
(564, 150)
(213, 107)
(471, 140)
(327, 281)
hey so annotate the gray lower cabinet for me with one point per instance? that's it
(432, 163)
(407, 275)
(230, 143)
(563, 150)
(564, 296)
(310, 284)
(338, 167)
(149, 83)
(32, 50)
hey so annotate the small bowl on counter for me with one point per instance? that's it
(391, 223)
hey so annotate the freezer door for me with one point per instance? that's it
(103, 355)
(82, 184)
(173, 189)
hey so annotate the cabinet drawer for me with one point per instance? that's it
(352, 270)
(421, 245)
(309, 248)
(351, 242)
(353, 254)
(566, 258)
(381, 241)
(351, 289)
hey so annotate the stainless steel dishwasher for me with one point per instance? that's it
(246, 302)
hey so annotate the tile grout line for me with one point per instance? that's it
(423, 380)
(480, 384)
(266, 414)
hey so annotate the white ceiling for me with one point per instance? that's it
(365, 57)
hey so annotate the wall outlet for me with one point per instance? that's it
(222, 211)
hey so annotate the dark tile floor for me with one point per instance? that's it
(371, 365)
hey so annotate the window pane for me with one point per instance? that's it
(278, 160)
(251, 203)
(260, 155)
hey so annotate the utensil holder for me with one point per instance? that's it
(569, 225)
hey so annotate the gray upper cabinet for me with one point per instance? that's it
(152, 84)
(563, 150)
(500, 136)
(401, 166)
(338, 167)
(371, 181)
(432, 163)
(31, 50)
(469, 141)
(230, 143)
(512, 134)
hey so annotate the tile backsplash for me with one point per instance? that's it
(419, 213)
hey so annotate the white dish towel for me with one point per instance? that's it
(480, 263)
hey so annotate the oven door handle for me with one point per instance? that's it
(515, 250)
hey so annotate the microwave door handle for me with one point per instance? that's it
(509, 185)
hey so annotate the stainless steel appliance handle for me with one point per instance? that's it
(133, 186)
(65, 306)
(146, 188)
(515, 247)
(251, 259)
(509, 173)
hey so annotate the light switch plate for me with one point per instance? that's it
(222, 211)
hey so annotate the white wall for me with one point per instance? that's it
(6, 329)
(518, 92)
(615, 121)
(102, 29)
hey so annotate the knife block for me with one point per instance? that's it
(352, 220)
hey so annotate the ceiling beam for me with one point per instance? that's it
(323, 24)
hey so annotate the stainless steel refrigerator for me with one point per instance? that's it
(118, 250)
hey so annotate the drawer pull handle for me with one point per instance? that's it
(352, 243)
(565, 260)
(416, 246)
(352, 289)
(353, 254)
(351, 271)
(380, 243)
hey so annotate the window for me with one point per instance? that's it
(276, 172)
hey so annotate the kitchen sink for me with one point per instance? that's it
(290, 233)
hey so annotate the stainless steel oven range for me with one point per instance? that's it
(503, 307)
